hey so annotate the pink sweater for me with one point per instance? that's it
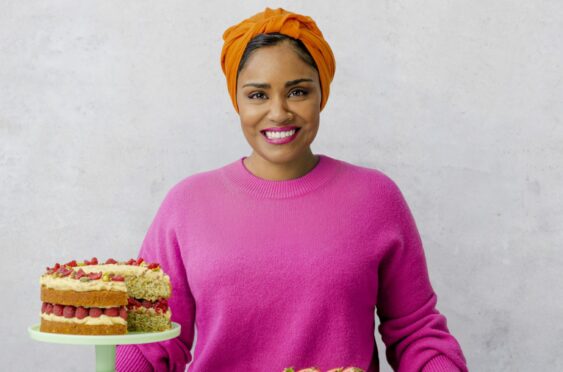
(292, 273)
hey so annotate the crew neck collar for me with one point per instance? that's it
(241, 177)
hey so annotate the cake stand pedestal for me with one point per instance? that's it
(105, 345)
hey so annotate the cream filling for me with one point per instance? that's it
(68, 283)
(125, 270)
(101, 320)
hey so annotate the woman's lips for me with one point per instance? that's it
(280, 141)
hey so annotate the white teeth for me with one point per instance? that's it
(280, 134)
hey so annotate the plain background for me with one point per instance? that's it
(105, 105)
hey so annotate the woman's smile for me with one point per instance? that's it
(280, 136)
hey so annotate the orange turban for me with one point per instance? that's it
(279, 20)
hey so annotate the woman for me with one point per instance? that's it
(282, 258)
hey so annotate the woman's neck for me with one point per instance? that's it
(268, 170)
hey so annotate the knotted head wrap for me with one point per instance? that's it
(297, 26)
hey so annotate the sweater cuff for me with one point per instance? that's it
(129, 358)
(440, 363)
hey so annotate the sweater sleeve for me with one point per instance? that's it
(161, 244)
(414, 332)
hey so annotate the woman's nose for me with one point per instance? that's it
(279, 112)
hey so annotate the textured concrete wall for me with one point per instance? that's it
(105, 105)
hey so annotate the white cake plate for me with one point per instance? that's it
(105, 345)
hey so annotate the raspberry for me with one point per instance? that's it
(153, 266)
(147, 304)
(139, 261)
(58, 310)
(110, 261)
(49, 309)
(43, 307)
(80, 273)
(133, 302)
(95, 276)
(68, 311)
(123, 313)
(112, 311)
(131, 261)
(94, 261)
(71, 263)
(63, 271)
(117, 278)
(81, 312)
(95, 312)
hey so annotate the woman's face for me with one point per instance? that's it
(277, 89)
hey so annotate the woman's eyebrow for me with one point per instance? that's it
(287, 84)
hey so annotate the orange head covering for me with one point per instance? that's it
(279, 20)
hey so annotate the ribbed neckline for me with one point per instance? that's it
(238, 175)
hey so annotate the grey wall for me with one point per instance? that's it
(105, 105)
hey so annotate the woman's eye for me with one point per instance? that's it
(297, 92)
(254, 95)
(302, 91)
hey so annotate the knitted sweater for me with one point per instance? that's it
(292, 273)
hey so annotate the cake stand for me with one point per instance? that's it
(105, 345)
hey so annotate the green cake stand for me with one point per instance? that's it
(105, 345)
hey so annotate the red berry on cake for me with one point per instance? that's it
(81, 312)
(63, 271)
(95, 276)
(43, 307)
(49, 309)
(68, 311)
(95, 312)
(110, 261)
(71, 263)
(153, 266)
(123, 313)
(147, 304)
(80, 273)
(58, 310)
(118, 278)
(112, 311)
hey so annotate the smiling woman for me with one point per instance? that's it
(284, 257)
(279, 96)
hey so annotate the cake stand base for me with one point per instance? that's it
(105, 345)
